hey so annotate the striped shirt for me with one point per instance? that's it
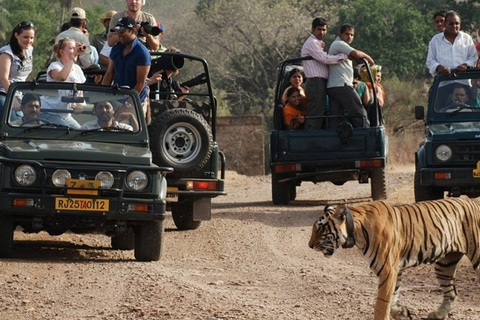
(318, 66)
(443, 52)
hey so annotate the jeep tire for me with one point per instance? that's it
(378, 184)
(182, 214)
(148, 240)
(182, 139)
(281, 191)
(124, 241)
(6, 236)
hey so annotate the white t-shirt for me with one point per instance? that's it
(19, 70)
(106, 50)
(76, 75)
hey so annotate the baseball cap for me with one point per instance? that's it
(123, 24)
(78, 13)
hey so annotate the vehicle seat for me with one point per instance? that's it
(278, 117)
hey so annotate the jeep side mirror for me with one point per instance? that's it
(419, 112)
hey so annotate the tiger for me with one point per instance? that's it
(393, 238)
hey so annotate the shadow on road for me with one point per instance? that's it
(63, 251)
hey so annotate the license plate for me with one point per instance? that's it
(79, 204)
(476, 172)
(83, 184)
(172, 195)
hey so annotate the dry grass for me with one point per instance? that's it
(404, 132)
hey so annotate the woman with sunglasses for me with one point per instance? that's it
(66, 51)
(16, 58)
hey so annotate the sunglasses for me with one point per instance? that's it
(25, 24)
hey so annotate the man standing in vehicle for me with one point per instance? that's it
(452, 49)
(439, 20)
(448, 51)
(316, 72)
(130, 61)
(340, 83)
(134, 10)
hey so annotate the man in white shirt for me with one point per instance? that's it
(451, 51)
(316, 72)
(340, 83)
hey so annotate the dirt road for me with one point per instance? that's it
(250, 262)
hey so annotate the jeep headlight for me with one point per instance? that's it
(443, 153)
(106, 179)
(137, 180)
(60, 177)
(163, 188)
(25, 175)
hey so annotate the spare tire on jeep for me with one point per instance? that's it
(182, 139)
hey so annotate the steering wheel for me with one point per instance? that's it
(457, 107)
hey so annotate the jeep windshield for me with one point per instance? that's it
(456, 93)
(78, 109)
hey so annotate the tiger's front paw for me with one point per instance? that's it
(399, 312)
(437, 315)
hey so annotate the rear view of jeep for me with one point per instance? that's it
(182, 136)
(448, 159)
(335, 155)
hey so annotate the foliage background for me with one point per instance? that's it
(244, 41)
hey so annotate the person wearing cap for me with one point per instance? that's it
(134, 10)
(129, 60)
(99, 39)
(78, 21)
(161, 27)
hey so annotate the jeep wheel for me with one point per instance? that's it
(148, 241)
(281, 191)
(6, 236)
(423, 193)
(378, 184)
(124, 241)
(182, 139)
(293, 192)
(182, 214)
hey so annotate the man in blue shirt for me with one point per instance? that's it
(130, 60)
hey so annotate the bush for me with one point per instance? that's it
(404, 132)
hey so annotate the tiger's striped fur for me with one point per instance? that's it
(393, 238)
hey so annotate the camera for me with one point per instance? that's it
(153, 30)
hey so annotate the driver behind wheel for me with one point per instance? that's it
(459, 95)
(30, 106)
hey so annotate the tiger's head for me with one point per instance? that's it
(329, 231)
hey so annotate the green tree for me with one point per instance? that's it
(244, 42)
(394, 34)
(40, 13)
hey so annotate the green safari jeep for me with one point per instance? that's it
(68, 165)
(335, 155)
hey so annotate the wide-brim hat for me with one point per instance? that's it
(108, 15)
